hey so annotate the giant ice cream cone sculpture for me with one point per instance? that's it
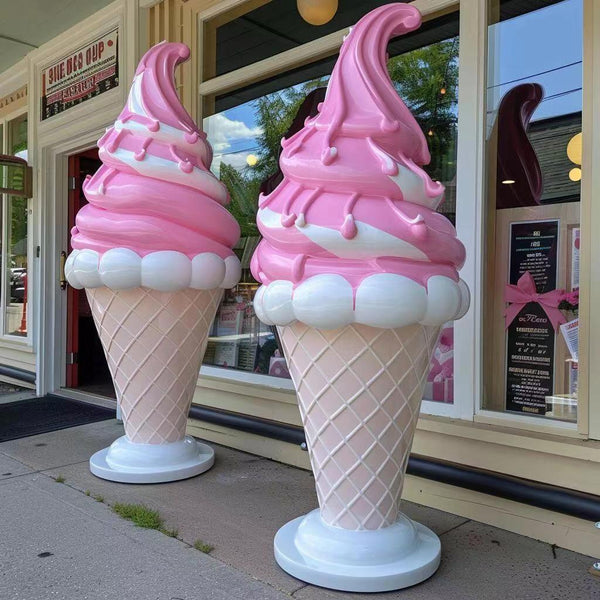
(153, 251)
(359, 274)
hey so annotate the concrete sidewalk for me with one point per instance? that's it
(56, 542)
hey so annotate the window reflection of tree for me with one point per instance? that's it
(427, 81)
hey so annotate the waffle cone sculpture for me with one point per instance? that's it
(359, 273)
(153, 251)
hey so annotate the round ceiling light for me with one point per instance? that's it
(317, 12)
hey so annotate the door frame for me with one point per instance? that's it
(72, 316)
(53, 141)
(53, 239)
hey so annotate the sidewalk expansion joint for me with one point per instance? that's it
(36, 471)
(455, 527)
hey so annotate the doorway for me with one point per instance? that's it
(86, 370)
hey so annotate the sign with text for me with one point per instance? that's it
(530, 342)
(83, 74)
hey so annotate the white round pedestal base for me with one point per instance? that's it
(128, 462)
(393, 558)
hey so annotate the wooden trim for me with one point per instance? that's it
(239, 9)
(567, 532)
(504, 435)
(14, 77)
(209, 46)
(150, 26)
(284, 452)
(13, 102)
(470, 176)
(220, 10)
(589, 337)
(266, 403)
(528, 422)
(297, 57)
(187, 32)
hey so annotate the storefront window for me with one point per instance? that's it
(14, 235)
(245, 133)
(534, 100)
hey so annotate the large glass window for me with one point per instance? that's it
(14, 239)
(534, 101)
(245, 132)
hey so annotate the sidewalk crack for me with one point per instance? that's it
(298, 589)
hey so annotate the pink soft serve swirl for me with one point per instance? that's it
(154, 190)
(355, 166)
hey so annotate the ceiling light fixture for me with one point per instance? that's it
(317, 12)
(574, 152)
(574, 149)
(508, 181)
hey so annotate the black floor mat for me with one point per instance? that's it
(50, 413)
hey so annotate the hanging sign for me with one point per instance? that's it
(83, 74)
(533, 315)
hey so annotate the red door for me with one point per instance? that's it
(80, 165)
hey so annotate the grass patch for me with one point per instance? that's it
(60, 479)
(139, 514)
(170, 532)
(87, 492)
(98, 498)
(143, 516)
(203, 547)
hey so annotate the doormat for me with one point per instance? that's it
(49, 413)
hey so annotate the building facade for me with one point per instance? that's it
(508, 95)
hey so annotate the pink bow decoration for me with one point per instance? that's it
(524, 292)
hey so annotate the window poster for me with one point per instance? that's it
(530, 339)
(84, 73)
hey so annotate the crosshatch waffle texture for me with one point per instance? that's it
(359, 391)
(154, 343)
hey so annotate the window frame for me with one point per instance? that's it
(480, 15)
(27, 339)
(471, 184)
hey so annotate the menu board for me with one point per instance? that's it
(530, 340)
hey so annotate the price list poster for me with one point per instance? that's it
(530, 338)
